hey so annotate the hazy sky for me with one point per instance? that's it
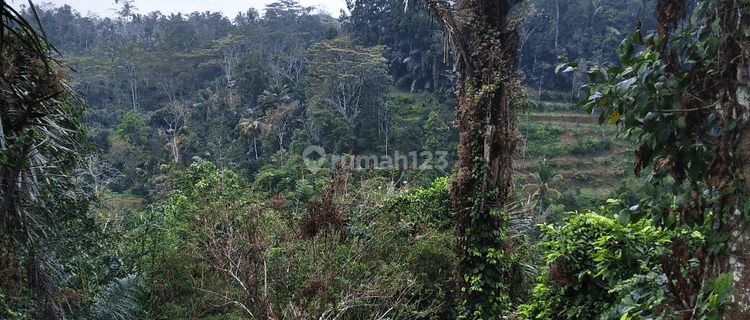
(228, 7)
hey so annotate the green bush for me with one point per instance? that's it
(540, 131)
(546, 106)
(580, 200)
(595, 265)
(629, 190)
(590, 147)
(217, 239)
(557, 96)
(578, 176)
(430, 207)
(602, 266)
(542, 138)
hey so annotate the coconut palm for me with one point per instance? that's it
(274, 96)
(279, 108)
(253, 128)
(541, 189)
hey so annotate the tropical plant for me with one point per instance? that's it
(588, 258)
(678, 93)
(46, 233)
(600, 266)
(121, 299)
(542, 188)
(347, 78)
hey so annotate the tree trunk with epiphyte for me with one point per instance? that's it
(717, 98)
(483, 40)
(684, 93)
(730, 166)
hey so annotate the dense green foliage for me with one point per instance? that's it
(214, 244)
(663, 96)
(53, 255)
(176, 186)
(192, 78)
(601, 266)
(165, 89)
(588, 32)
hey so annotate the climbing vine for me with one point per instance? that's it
(682, 94)
(484, 42)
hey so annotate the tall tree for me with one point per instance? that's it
(347, 78)
(683, 94)
(371, 19)
(410, 32)
(279, 108)
(485, 41)
(577, 29)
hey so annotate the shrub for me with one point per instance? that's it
(429, 207)
(558, 96)
(590, 147)
(594, 264)
(542, 138)
(580, 200)
(578, 176)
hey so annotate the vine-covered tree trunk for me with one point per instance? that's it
(686, 97)
(485, 42)
(731, 164)
(725, 81)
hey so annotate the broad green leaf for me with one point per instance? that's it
(559, 66)
(624, 217)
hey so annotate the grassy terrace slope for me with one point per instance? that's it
(569, 151)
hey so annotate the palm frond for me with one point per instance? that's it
(520, 217)
(120, 300)
(40, 136)
(249, 126)
(554, 193)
